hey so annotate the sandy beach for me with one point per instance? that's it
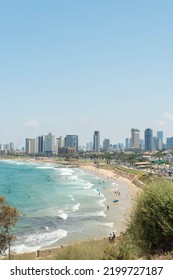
(113, 211)
(133, 189)
(115, 194)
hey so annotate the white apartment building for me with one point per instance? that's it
(50, 144)
(30, 146)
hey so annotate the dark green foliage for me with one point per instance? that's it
(124, 249)
(151, 223)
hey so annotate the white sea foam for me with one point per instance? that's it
(97, 213)
(101, 201)
(74, 177)
(52, 211)
(71, 196)
(100, 214)
(44, 228)
(88, 185)
(62, 215)
(66, 171)
(29, 243)
(76, 207)
(45, 167)
(109, 225)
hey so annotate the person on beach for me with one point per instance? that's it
(112, 237)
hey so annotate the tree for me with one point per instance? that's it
(8, 218)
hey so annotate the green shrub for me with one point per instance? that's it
(151, 222)
(124, 249)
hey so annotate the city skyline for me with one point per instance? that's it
(136, 141)
(75, 67)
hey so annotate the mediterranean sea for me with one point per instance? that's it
(57, 204)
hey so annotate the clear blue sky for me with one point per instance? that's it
(72, 67)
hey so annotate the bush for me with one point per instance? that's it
(123, 249)
(151, 223)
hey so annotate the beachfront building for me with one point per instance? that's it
(50, 145)
(40, 144)
(135, 139)
(71, 141)
(30, 146)
(96, 142)
(148, 134)
(61, 142)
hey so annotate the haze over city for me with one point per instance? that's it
(73, 67)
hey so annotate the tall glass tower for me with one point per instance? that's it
(96, 141)
(148, 134)
(160, 140)
(71, 141)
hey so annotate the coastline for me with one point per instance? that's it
(133, 189)
(115, 194)
(109, 194)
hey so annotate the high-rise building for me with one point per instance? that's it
(61, 142)
(40, 144)
(11, 146)
(87, 146)
(169, 143)
(127, 143)
(30, 146)
(50, 146)
(148, 134)
(160, 140)
(96, 141)
(71, 141)
(106, 144)
(135, 139)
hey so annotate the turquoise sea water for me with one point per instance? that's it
(56, 204)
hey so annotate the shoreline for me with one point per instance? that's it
(109, 195)
(112, 194)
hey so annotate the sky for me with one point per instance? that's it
(73, 67)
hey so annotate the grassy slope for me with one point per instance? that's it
(91, 250)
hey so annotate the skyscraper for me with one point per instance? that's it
(160, 140)
(71, 141)
(127, 143)
(135, 140)
(50, 144)
(148, 135)
(40, 143)
(96, 141)
(61, 142)
(106, 144)
(30, 146)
